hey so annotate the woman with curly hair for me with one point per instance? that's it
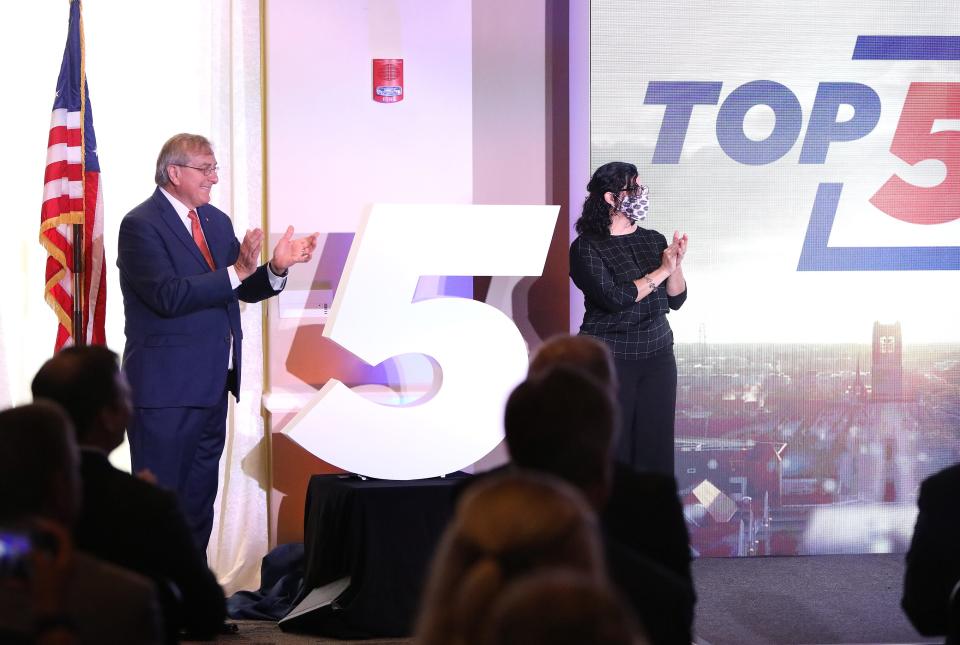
(630, 278)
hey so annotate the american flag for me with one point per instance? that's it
(71, 196)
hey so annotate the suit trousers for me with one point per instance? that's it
(182, 448)
(648, 402)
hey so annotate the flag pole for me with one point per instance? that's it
(79, 338)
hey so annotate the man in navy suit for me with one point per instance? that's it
(182, 275)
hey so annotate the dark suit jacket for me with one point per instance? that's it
(107, 604)
(180, 315)
(139, 526)
(644, 514)
(661, 599)
(933, 561)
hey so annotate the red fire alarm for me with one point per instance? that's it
(387, 80)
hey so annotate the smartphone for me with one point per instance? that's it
(15, 547)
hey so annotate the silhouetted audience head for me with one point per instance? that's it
(504, 528)
(123, 520)
(580, 352)
(88, 384)
(39, 464)
(562, 422)
(931, 585)
(40, 493)
(560, 607)
(953, 630)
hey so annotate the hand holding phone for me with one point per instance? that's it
(15, 548)
(51, 562)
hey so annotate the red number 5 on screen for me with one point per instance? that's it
(916, 140)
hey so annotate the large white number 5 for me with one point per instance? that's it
(480, 351)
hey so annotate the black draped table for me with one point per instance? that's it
(382, 534)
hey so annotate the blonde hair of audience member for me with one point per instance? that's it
(578, 611)
(503, 529)
(580, 352)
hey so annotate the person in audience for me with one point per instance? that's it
(581, 611)
(931, 588)
(71, 596)
(562, 422)
(124, 519)
(642, 511)
(504, 528)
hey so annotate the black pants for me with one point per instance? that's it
(648, 402)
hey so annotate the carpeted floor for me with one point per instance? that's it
(813, 600)
(808, 599)
(254, 632)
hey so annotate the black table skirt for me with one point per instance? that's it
(383, 535)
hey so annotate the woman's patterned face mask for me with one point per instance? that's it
(634, 206)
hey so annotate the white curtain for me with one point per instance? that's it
(240, 530)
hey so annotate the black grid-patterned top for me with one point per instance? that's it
(604, 269)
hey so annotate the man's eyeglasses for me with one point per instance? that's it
(206, 170)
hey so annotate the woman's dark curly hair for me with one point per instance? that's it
(609, 178)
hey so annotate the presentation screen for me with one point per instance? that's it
(811, 151)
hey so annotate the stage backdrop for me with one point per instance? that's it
(811, 150)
